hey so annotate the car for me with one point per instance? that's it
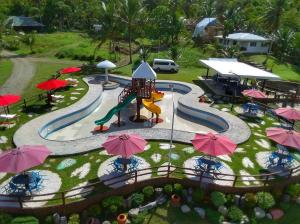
(164, 65)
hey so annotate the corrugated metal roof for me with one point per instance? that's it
(22, 21)
(244, 37)
(199, 29)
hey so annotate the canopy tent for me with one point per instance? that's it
(144, 71)
(201, 26)
(233, 68)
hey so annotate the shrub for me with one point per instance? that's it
(117, 201)
(12, 44)
(265, 200)
(94, 210)
(198, 195)
(148, 191)
(285, 206)
(235, 214)
(250, 200)
(49, 219)
(25, 220)
(137, 199)
(218, 198)
(74, 219)
(139, 219)
(178, 188)
(213, 216)
(5, 218)
(294, 190)
(168, 189)
(230, 198)
(112, 209)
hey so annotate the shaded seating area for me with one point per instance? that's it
(122, 165)
(280, 158)
(208, 164)
(24, 184)
(250, 108)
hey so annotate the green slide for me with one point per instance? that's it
(115, 110)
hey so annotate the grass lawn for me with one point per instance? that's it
(35, 106)
(6, 67)
(285, 70)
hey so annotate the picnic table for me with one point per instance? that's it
(208, 164)
(281, 158)
(124, 164)
(25, 183)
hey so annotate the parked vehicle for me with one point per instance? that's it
(165, 65)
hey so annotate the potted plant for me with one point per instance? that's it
(122, 218)
(175, 200)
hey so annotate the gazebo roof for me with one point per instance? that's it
(144, 71)
(106, 64)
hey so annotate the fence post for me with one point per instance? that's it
(25, 104)
(266, 180)
(63, 198)
(291, 173)
(201, 175)
(168, 174)
(135, 176)
(20, 201)
(234, 181)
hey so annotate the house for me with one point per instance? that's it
(207, 28)
(23, 23)
(248, 42)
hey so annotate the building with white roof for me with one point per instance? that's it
(248, 42)
(232, 68)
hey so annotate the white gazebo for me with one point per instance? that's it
(106, 65)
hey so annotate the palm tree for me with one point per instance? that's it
(273, 14)
(130, 11)
(283, 43)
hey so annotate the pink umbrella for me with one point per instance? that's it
(284, 137)
(254, 93)
(288, 113)
(124, 145)
(213, 144)
(22, 158)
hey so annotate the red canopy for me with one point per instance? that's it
(288, 113)
(6, 100)
(254, 93)
(284, 137)
(52, 84)
(69, 70)
(213, 144)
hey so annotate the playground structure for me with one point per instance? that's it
(142, 88)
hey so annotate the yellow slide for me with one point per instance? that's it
(149, 103)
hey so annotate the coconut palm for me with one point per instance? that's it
(273, 14)
(283, 43)
(129, 12)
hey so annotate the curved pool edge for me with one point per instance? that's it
(186, 104)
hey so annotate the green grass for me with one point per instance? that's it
(285, 70)
(6, 67)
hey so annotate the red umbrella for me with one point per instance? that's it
(213, 144)
(284, 137)
(52, 84)
(23, 158)
(124, 145)
(6, 100)
(69, 70)
(288, 113)
(254, 93)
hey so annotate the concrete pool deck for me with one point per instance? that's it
(37, 130)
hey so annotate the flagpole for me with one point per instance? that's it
(172, 129)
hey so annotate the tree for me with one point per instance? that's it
(283, 43)
(130, 10)
(29, 40)
(273, 14)
(174, 52)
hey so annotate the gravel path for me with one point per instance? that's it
(21, 76)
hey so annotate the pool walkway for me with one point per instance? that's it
(187, 104)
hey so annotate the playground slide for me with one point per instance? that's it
(115, 110)
(149, 103)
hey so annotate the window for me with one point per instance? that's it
(234, 42)
(252, 44)
(161, 63)
(173, 64)
(264, 44)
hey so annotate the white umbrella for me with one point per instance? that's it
(106, 65)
